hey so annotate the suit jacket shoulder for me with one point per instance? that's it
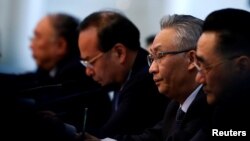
(140, 104)
(195, 119)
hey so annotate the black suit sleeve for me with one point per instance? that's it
(150, 134)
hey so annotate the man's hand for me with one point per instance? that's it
(89, 137)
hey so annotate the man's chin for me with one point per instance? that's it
(211, 99)
(161, 90)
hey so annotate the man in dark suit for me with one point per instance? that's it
(171, 63)
(60, 83)
(110, 50)
(223, 62)
(55, 49)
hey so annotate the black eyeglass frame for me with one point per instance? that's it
(151, 58)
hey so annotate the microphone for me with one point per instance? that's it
(58, 92)
(41, 87)
(67, 85)
(82, 135)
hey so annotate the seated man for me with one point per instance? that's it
(59, 84)
(171, 62)
(110, 50)
(223, 62)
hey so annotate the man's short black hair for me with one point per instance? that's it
(112, 27)
(233, 28)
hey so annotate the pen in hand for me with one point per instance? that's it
(84, 120)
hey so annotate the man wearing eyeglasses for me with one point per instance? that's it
(223, 63)
(59, 84)
(111, 52)
(171, 63)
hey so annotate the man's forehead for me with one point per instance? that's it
(164, 40)
(206, 46)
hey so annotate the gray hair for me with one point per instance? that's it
(188, 29)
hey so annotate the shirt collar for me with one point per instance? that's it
(190, 99)
(52, 73)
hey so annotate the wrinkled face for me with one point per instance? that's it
(102, 66)
(42, 44)
(215, 71)
(170, 70)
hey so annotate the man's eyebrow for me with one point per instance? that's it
(155, 48)
(36, 33)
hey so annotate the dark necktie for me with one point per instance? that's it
(179, 117)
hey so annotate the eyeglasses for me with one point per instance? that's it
(151, 58)
(204, 69)
(89, 64)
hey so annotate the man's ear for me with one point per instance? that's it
(242, 64)
(61, 46)
(191, 59)
(120, 52)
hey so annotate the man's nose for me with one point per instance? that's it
(200, 78)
